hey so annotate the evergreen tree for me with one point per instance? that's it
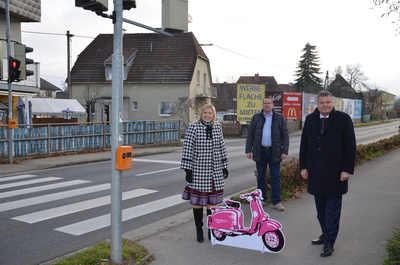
(308, 69)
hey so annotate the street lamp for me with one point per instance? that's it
(67, 114)
(2, 112)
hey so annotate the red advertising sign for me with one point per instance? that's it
(292, 105)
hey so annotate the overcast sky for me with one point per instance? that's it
(248, 37)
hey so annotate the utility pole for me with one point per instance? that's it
(69, 88)
(326, 80)
(9, 132)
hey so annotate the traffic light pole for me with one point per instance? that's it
(117, 113)
(116, 136)
(9, 132)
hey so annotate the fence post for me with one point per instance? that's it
(48, 139)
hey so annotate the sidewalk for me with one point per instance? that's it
(370, 210)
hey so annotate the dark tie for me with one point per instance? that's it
(322, 124)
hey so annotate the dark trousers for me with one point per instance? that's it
(328, 214)
(274, 168)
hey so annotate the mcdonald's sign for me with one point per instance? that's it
(291, 112)
(292, 105)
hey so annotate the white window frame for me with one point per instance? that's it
(161, 108)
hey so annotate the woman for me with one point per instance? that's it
(205, 161)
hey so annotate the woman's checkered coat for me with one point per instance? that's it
(205, 157)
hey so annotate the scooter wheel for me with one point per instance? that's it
(274, 240)
(218, 235)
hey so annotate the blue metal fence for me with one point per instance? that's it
(63, 137)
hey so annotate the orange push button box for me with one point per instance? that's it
(124, 158)
(12, 124)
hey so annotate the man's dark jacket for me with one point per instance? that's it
(325, 155)
(279, 135)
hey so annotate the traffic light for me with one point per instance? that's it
(13, 69)
(93, 5)
(20, 51)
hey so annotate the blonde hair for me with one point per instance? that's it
(209, 106)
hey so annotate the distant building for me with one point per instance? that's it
(47, 89)
(20, 12)
(342, 89)
(161, 73)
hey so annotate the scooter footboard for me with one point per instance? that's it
(227, 220)
(270, 225)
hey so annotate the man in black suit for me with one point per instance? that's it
(327, 158)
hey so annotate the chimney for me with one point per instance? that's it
(256, 78)
(175, 14)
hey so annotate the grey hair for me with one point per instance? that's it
(324, 93)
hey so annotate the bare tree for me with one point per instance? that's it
(391, 9)
(90, 97)
(181, 108)
(355, 76)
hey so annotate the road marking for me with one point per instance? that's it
(158, 171)
(17, 177)
(96, 223)
(28, 182)
(78, 207)
(42, 188)
(156, 161)
(52, 197)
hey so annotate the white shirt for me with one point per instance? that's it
(266, 140)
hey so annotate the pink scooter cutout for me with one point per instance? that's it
(228, 221)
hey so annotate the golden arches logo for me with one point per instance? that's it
(292, 112)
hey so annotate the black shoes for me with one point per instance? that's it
(200, 237)
(318, 241)
(327, 250)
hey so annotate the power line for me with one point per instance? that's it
(245, 56)
(57, 34)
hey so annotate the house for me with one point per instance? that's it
(20, 12)
(380, 104)
(269, 81)
(227, 92)
(47, 89)
(165, 78)
(342, 89)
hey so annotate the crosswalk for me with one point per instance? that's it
(9, 200)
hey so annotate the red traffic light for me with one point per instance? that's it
(14, 71)
(15, 64)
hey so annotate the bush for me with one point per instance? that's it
(393, 249)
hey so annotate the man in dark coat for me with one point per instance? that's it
(327, 158)
(268, 143)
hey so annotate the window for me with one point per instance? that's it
(198, 78)
(135, 106)
(204, 84)
(165, 108)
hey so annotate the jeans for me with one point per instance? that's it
(274, 168)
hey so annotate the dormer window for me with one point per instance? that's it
(130, 54)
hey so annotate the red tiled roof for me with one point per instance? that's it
(159, 58)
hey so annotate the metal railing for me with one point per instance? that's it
(36, 139)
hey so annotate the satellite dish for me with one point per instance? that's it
(190, 19)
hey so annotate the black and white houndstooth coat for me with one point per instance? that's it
(205, 157)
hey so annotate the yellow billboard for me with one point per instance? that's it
(249, 100)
